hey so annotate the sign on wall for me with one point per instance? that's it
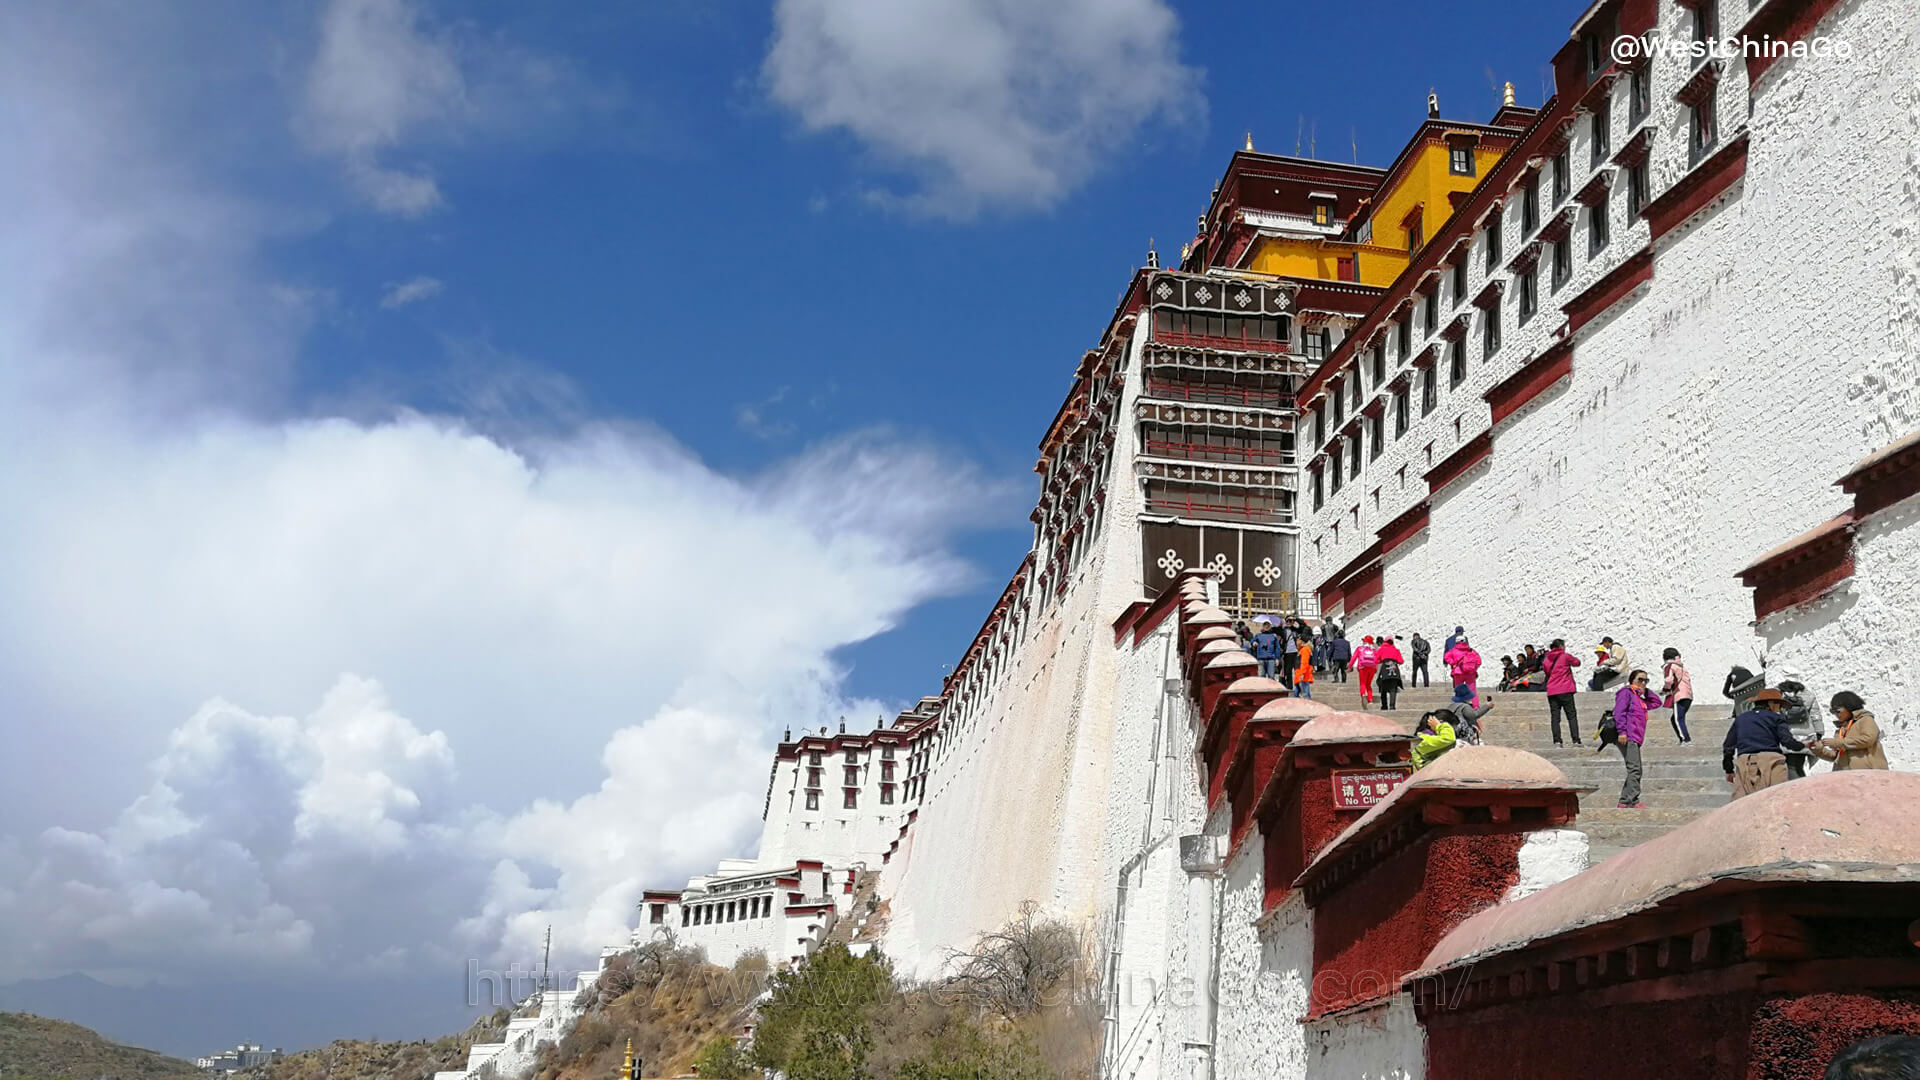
(1357, 789)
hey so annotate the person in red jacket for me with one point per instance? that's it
(1559, 664)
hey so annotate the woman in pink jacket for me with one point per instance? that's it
(1366, 661)
(1464, 665)
(1677, 692)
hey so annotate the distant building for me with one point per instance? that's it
(240, 1058)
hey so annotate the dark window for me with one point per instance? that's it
(851, 800)
(1319, 489)
(813, 800)
(1459, 281)
(1493, 244)
(1460, 158)
(1431, 304)
(1490, 328)
(658, 913)
(813, 757)
(1429, 393)
(1379, 362)
(1353, 389)
(1702, 27)
(853, 756)
(1562, 263)
(886, 753)
(1335, 475)
(852, 775)
(1339, 402)
(1530, 205)
(1416, 235)
(686, 916)
(1320, 424)
(1376, 434)
(1597, 227)
(1401, 417)
(1704, 132)
(1353, 454)
(1602, 133)
(1529, 295)
(1456, 363)
(813, 777)
(886, 770)
(1636, 190)
(1639, 95)
(1562, 177)
(886, 794)
(1404, 331)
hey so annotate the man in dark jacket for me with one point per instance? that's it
(1340, 654)
(1266, 649)
(1753, 753)
(1421, 649)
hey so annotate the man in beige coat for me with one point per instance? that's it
(1856, 740)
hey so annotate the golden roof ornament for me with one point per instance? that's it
(1506, 96)
(1249, 142)
(626, 1066)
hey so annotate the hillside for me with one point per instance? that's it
(361, 1059)
(38, 1047)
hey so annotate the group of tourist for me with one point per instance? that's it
(1760, 748)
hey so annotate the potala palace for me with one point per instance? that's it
(1640, 361)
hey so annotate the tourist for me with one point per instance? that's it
(1452, 640)
(1303, 675)
(1754, 753)
(1266, 650)
(1558, 664)
(1610, 663)
(1433, 737)
(1740, 687)
(1389, 680)
(1463, 666)
(1366, 661)
(1320, 640)
(1881, 1057)
(1856, 736)
(1421, 649)
(1676, 690)
(1339, 654)
(1630, 705)
(1465, 715)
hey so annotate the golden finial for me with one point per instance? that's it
(1249, 142)
(626, 1067)
(1506, 96)
(1185, 250)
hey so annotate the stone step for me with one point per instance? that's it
(1605, 797)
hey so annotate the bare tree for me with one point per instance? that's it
(1030, 963)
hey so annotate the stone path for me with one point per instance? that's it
(1680, 783)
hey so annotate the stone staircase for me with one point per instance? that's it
(1679, 782)
(865, 922)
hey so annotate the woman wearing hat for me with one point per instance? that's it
(1366, 661)
(1856, 741)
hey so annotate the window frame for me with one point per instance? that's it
(1456, 363)
(1599, 225)
(1602, 131)
(1490, 328)
(1402, 412)
(1493, 230)
(1429, 392)
(1529, 294)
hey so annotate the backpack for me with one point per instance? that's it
(1609, 731)
(1389, 672)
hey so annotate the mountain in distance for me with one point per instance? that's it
(203, 1019)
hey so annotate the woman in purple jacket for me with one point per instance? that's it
(1630, 705)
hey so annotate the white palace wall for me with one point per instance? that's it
(1011, 812)
(1707, 418)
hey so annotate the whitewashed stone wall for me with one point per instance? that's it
(514, 1056)
(1013, 809)
(1706, 419)
(1266, 968)
(1865, 628)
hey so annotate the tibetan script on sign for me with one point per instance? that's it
(1357, 789)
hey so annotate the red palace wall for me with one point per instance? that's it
(1377, 928)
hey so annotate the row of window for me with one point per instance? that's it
(1225, 327)
(753, 907)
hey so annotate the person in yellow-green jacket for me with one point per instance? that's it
(1432, 738)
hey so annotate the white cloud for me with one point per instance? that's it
(411, 291)
(986, 103)
(569, 650)
(386, 82)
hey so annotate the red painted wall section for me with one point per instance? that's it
(1636, 271)
(1403, 528)
(1471, 453)
(1376, 930)
(1570, 1038)
(1697, 189)
(1531, 381)
(1364, 587)
(1794, 1038)
(1299, 828)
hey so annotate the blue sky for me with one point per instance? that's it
(445, 444)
